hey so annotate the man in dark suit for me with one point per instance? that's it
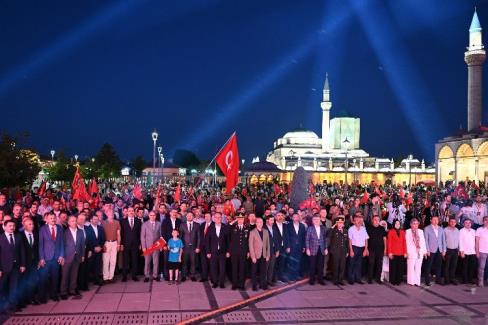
(167, 227)
(239, 252)
(130, 232)
(12, 263)
(95, 240)
(316, 247)
(218, 250)
(296, 247)
(74, 250)
(280, 231)
(30, 277)
(51, 257)
(190, 235)
(204, 261)
(273, 249)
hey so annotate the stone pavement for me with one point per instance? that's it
(160, 303)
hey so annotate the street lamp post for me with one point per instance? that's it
(52, 154)
(161, 157)
(76, 158)
(346, 143)
(160, 150)
(154, 136)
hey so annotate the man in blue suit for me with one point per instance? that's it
(51, 257)
(12, 263)
(95, 240)
(74, 254)
(435, 240)
(296, 247)
(316, 248)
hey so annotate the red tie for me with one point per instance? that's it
(53, 233)
(205, 230)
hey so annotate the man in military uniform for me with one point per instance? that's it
(239, 252)
(339, 246)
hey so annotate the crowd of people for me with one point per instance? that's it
(55, 247)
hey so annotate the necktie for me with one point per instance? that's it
(240, 228)
(12, 240)
(53, 233)
(153, 224)
(206, 227)
(30, 239)
(189, 227)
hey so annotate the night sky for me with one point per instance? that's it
(76, 74)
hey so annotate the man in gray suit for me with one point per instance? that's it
(435, 240)
(190, 235)
(74, 250)
(150, 232)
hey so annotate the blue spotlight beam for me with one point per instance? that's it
(47, 55)
(408, 86)
(242, 101)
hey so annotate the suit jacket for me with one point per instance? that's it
(411, 248)
(273, 240)
(296, 241)
(130, 237)
(239, 240)
(259, 247)
(50, 249)
(11, 257)
(167, 228)
(74, 250)
(432, 242)
(91, 239)
(31, 252)
(281, 238)
(149, 234)
(313, 242)
(217, 244)
(190, 239)
(203, 237)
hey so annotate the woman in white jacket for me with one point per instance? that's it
(416, 250)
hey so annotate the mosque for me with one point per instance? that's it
(335, 157)
(464, 156)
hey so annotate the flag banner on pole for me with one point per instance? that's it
(228, 161)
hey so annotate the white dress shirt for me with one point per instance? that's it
(296, 226)
(73, 233)
(467, 242)
(317, 230)
(29, 236)
(482, 233)
(95, 230)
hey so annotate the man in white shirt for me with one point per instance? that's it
(467, 251)
(358, 248)
(482, 250)
(479, 210)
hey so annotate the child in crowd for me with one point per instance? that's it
(175, 246)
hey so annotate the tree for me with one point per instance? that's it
(185, 158)
(299, 187)
(107, 162)
(62, 169)
(137, 165)
(18, 166)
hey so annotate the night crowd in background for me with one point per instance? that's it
(54, 246)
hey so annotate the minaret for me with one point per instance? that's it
(326, 106)
(475, 57)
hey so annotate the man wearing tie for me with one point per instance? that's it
(239, 252)
(150, 233)
(30, 278)
(95, 240)
(167, 227)
(296, 247)
(204, 262)
(217, 244)
(51, 257)
(12, 263)
(280, 232)
(190, 235)
(74, 249)
(130, 231)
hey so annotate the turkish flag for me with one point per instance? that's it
(228, 161)
(158, 245)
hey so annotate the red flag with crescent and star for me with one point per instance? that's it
(228, 161)
(158, 245)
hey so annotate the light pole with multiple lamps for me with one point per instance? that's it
(52, 154)
(346, 143)
(154, 136)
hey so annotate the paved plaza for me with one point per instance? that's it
(160, 303)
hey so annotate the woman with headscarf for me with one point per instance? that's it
(397, 252)
(416, 249)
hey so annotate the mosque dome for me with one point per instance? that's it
(300, 134)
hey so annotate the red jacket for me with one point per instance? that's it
(397, 244)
